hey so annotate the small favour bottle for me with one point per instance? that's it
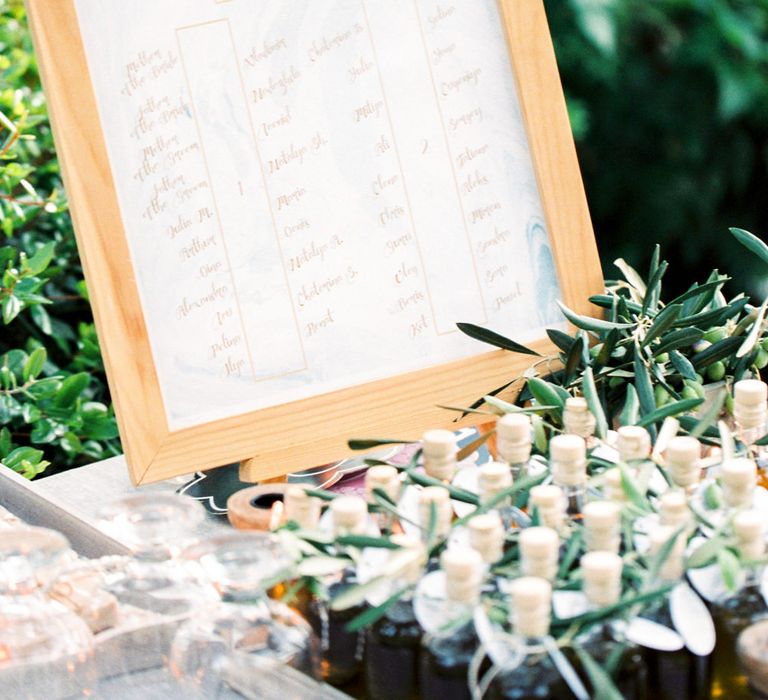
(302, 508)
(602, 586)
(513, 442)
(342, 651)
(738, 478)
(578, 420)
(736, 611)
(536, 676)
(633, 443)
(435, 499)
(602, 526)
(446, 656)
(494, 478)
(613, 489)
(674, 511)
(550, 503)
(673, 675)
(683, 460)
(393, 642)
(568, 464)
(750, 413)
(386, 479)
(486, 536)
(439, 451)
(539, 552)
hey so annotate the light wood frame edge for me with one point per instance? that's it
(312, 431)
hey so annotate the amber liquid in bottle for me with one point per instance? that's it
(342, 651)
(392, 648)
(444, 664)
(731, 617)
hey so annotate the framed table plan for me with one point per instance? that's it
(284, 208)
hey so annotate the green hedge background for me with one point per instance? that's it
(669, 108)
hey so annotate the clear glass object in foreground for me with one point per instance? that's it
(46, 651)
(255, 645)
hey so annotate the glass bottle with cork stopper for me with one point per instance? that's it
(486, 536)
(602, 526)
(735, 612)
(613, 489)
(342, 651)
(674, 511)
(393, 642)
(439, 450)
(750, 414)
(446, 656)
(494, 478)
(601, 572)
(513, 442)
(578, 420)
(536, 676)
(302, 508)
(568, 464)
(683, 462)
(550, 503)
(386, 479)
(673, 674)
(437, 500)
(738, 478)
(539, 552)
(633, 443)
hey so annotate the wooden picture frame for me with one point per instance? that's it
(315, 430)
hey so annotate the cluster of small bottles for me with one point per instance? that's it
(445, 585)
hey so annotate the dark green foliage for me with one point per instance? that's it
(668, 101)
(54, 405)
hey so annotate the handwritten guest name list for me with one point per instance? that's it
(316, 191)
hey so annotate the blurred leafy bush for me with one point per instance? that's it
(668, 101)
(53, 398)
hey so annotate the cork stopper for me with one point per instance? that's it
(684, 461)
(738, 478)
(551, 503)
(439, 452)
(577, 418)
(672, 568)
(568, 460)
(486, 535)
(539, 551)
(612, 487)
(408, 562)
(673, 509)
(492, 478)
(602, 526)
(349, 514)
(513, 438)
(531, 604)
(382, 477)
(602, 577)
(750, 403)
(442, 501)
(463, 569)
(634, 442)
(301, 507)
(749, 528)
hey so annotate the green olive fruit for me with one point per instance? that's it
(613, 382)
(699, 378)
(761, 360)
(661, 395)
(664, 357)
(689, 392)
(716, 371)
(729, 404)
(715, 334)
(764, 343)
